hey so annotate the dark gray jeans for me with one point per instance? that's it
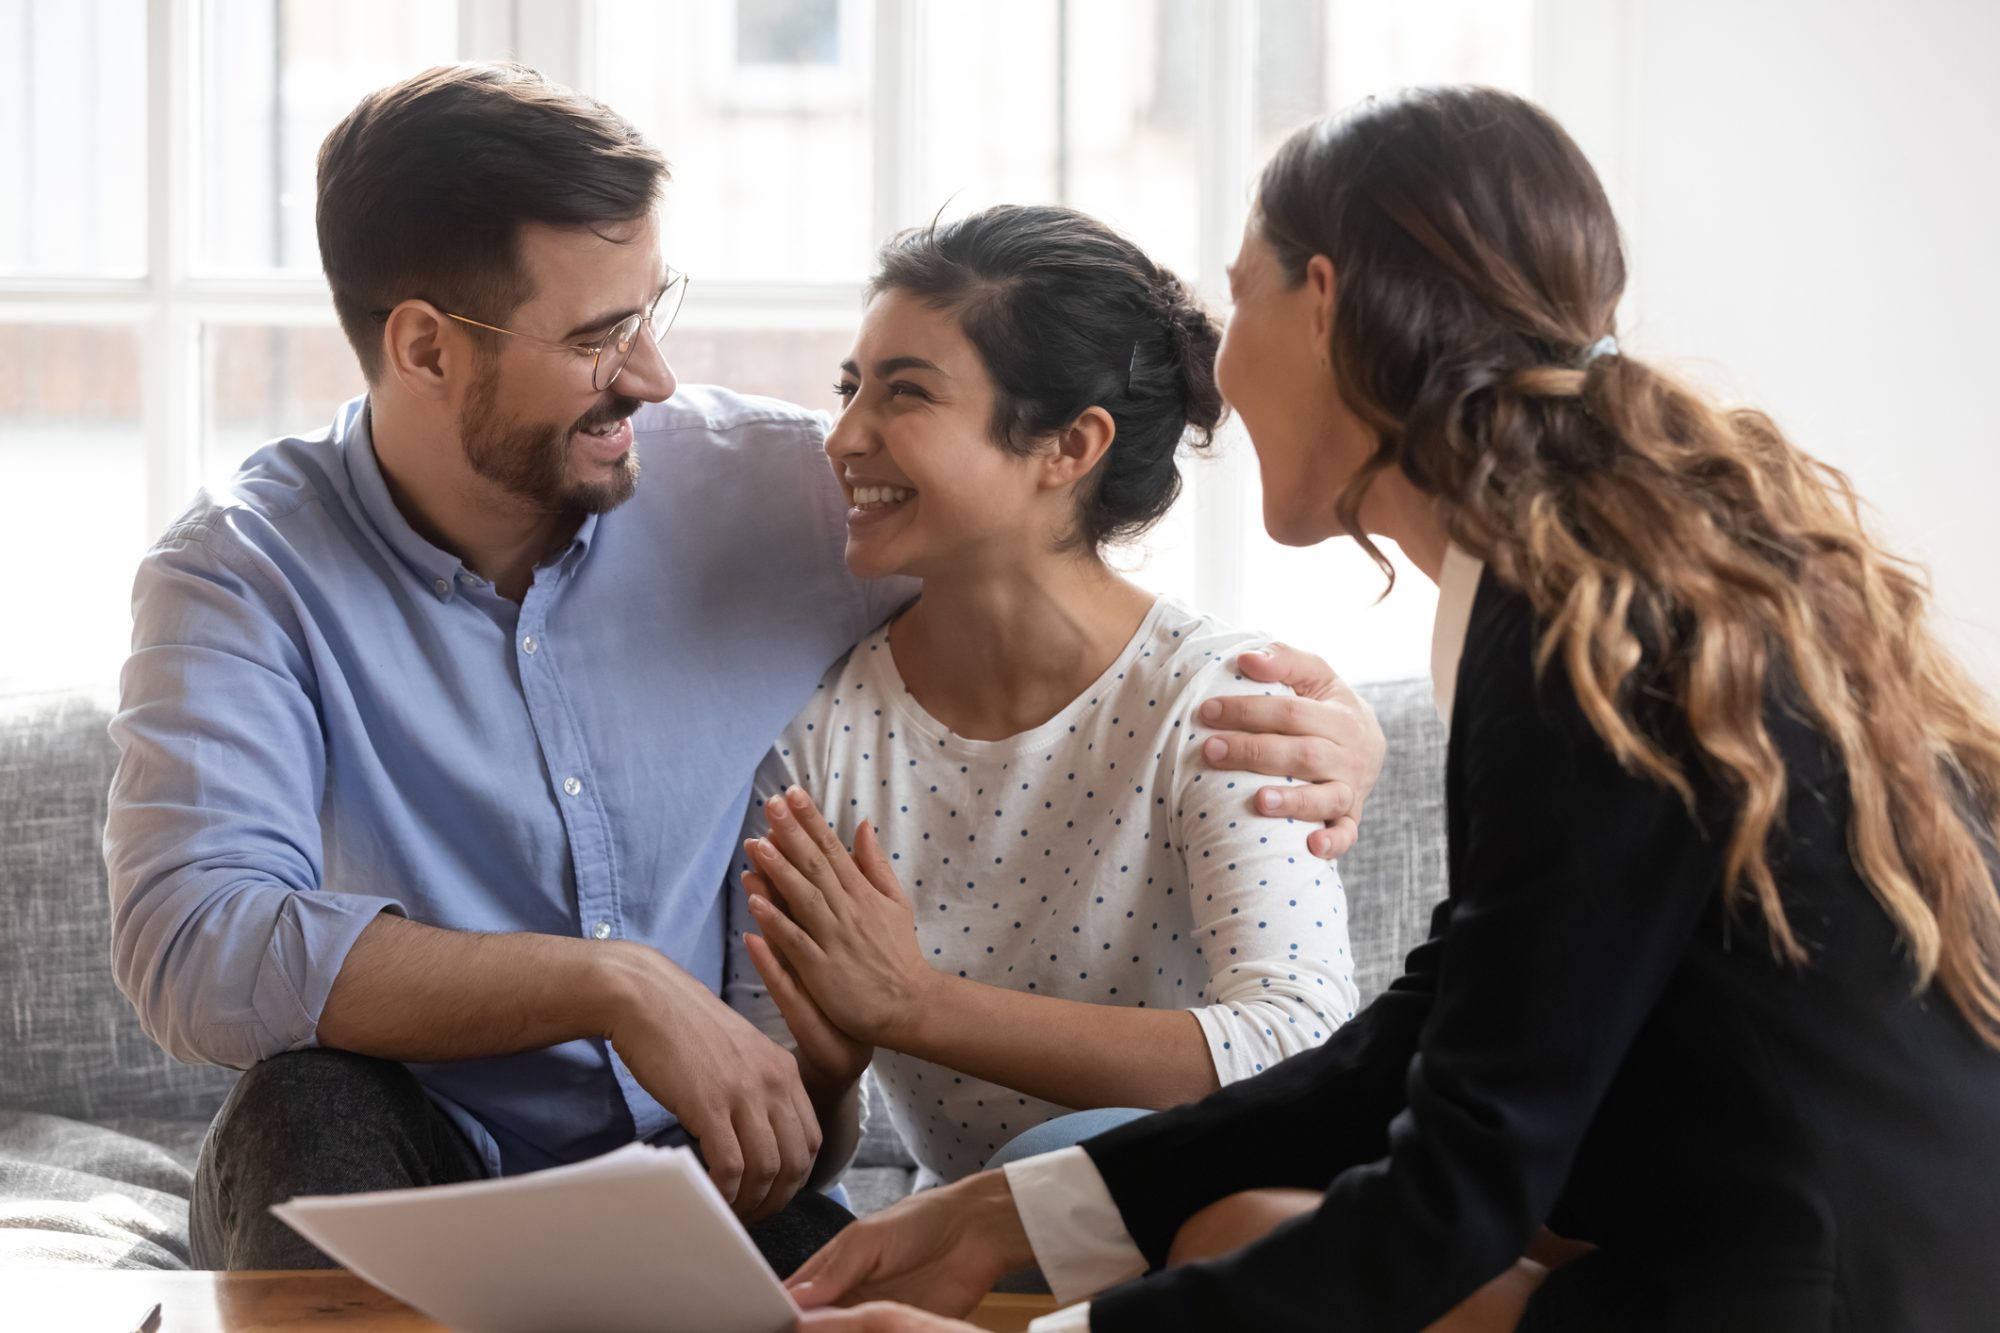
(328, 1122)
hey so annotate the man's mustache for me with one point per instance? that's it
(617, 409)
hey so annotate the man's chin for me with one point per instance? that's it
(613, 485)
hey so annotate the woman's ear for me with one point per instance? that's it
(1079, 446)
(418, 351)
(1319, 287)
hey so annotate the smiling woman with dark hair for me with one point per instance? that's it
(1062, 915)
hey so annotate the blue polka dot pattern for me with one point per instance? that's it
(1184, 898)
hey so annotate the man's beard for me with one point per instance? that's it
(530, 461)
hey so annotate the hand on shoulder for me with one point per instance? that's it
(1323, 735)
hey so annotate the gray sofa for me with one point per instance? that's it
(99, 1129)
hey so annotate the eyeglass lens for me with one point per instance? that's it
(618, 347)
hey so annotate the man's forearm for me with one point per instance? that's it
(417, 993)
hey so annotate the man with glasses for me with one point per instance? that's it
(431, 764)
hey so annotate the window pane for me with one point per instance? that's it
(1328, 598)
(797, 365)
(986, 88)
(1315, 56)
(72, 492)
(1166, 559)
(763, 108)
(1092, 105)
(263, 382)
(73, 138)
(1129, 144)
(276, 75)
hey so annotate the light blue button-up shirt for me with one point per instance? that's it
(326, 717)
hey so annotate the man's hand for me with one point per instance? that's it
(736, 1091)
(1325, 737)
(940, 1250)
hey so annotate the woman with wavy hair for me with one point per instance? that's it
(1715, 995)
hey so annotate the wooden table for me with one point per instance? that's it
(76, 1300)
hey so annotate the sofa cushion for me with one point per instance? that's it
(1396, 872)
(69, 1043)
(71, 1046)
(72, 1193)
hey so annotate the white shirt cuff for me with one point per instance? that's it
(1072, 1319)
(1073, 1225)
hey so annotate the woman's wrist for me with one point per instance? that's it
(828, 1087)
(989, 1200)
(926, 1017)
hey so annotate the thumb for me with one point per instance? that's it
(830, 1274)
(1306, 674)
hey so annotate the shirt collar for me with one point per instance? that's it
(1458, 584)
(442, 571)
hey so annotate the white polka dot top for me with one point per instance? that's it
(1097, 858)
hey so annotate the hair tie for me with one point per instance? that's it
(1605, 346)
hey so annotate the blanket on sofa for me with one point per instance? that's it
(72, 1193)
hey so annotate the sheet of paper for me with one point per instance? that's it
(635, 1240)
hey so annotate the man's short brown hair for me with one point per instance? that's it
(424, 186)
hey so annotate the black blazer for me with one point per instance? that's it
(1587, 1040)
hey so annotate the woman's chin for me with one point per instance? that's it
(1300, 529)
(865, 563)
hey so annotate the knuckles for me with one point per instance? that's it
(1296, 715)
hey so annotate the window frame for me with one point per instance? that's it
(173, 302)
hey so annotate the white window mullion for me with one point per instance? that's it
(555, 37)
(1221, 488)
(486, 29)
(172, 353)
(552, 36)
(1594, 97)
(897, 119)
(80, 301)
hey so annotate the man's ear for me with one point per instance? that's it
(423, 351)
(1079, 446)
(1320, 285)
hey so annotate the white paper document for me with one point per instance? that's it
(637, 1239)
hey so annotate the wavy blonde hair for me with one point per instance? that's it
(1667, 544)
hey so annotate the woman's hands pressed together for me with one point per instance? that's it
(839, 948)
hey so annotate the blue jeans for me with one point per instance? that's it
(1065, 1131)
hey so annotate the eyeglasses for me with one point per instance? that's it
(608, 357)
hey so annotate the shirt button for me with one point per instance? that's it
(602, 930)
(528, 645)
(572, 786)
(443, 587)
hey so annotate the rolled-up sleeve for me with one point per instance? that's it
(223, 937)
